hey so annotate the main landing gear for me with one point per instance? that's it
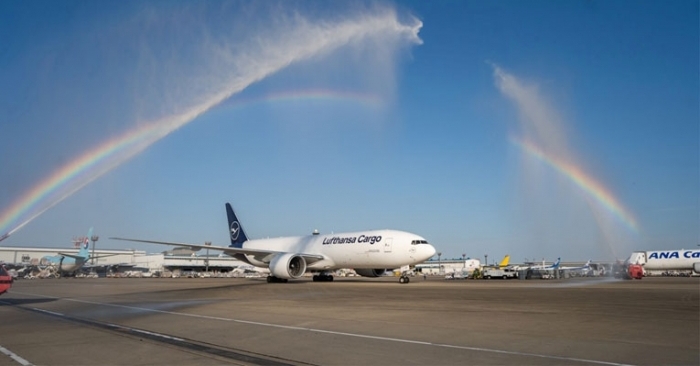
(271, 279)
(404, 275)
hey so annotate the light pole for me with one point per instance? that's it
(439, 263)
(464, 263)
(94, 238)
(207, 260)
(486, 259)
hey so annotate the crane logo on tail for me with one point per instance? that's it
(235, 229)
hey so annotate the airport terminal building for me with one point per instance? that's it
(107, 261)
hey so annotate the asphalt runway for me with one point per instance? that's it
(351, 321)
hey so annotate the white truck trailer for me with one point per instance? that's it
(504, 273)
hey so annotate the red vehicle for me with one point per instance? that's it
(5, 280)
(635, 271)
(628, 271)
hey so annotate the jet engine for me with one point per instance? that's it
(288, 265)
(364, 272)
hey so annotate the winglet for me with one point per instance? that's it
(236, 231)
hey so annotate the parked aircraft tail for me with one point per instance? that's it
(505, 261)
(556, 264)
(238, 236)
(85, 245)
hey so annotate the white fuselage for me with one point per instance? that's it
(544, 266)
(667, 260)
(363, 249)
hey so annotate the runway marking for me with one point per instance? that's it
(15, 357)
(249, 358)
(11, 354)
(356, 335)
(48, 312)
(149, 333)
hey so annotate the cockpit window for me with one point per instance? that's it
(416, 242)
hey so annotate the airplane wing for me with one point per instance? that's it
(103, 256)
(259, 254)
(119, 265)
(72, 255)
(91, 257)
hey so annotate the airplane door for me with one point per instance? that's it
(387, 244)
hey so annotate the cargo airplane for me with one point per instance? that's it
(369, 253)
(667, 260)
(68, 263)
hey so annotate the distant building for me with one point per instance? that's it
(182, 259)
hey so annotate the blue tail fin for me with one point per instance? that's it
(238, 236)
(556, 264)
(85, 245)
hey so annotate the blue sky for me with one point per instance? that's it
(346, 116)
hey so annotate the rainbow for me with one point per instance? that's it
(73, 176)
(582, 180)
(103, 158)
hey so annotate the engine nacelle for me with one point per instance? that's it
(288, 265)
(364, 272)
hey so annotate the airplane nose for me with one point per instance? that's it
(429, 251)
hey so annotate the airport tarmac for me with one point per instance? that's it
(351, 321)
